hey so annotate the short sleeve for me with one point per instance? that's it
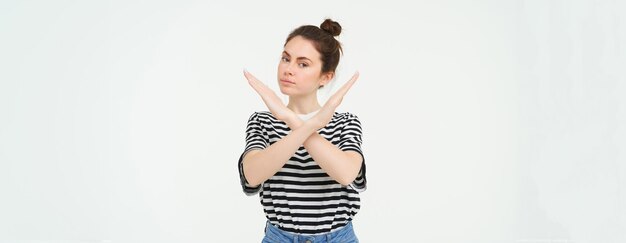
(351, 140)
(255, 139)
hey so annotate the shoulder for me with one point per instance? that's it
(262, 116)
(346, 117)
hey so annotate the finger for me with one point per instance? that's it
(253, 81)
(337, 97)
(251, 78)
(267, 95)
(344, 89)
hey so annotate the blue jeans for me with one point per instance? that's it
(275, 235)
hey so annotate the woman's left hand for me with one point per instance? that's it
(272, 101)
(327, 111)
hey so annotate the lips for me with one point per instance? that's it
(287, 81)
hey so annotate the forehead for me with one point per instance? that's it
(300, 47)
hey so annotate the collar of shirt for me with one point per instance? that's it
(307, 116)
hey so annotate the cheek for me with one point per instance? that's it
(281, 66)
(309, 72)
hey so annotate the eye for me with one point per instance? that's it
(284, 59)
(303, 65)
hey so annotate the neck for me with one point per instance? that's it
(303, 105)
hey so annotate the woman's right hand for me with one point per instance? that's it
(272, 101)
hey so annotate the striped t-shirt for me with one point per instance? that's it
(301, 197)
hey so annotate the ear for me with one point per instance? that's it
(326, 78)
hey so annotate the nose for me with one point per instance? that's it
(288, 69)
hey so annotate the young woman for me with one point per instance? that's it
(305, 159)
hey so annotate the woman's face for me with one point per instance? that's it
(300, 67)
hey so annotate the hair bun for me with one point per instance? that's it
(332, 27)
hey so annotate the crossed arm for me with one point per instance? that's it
(342, 166)
(260, 165)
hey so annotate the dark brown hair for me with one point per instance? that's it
(324, 41)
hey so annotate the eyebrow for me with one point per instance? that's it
(298, 58)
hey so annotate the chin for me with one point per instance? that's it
(285, 92)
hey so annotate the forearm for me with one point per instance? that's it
(342, 166)
(260, 165)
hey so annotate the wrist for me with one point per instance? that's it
(293, 121)
(314, 122)
(309, 124)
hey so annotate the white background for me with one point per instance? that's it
(484, 121)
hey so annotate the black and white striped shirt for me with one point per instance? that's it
(301, 197)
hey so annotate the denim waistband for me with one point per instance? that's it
(285, 236)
